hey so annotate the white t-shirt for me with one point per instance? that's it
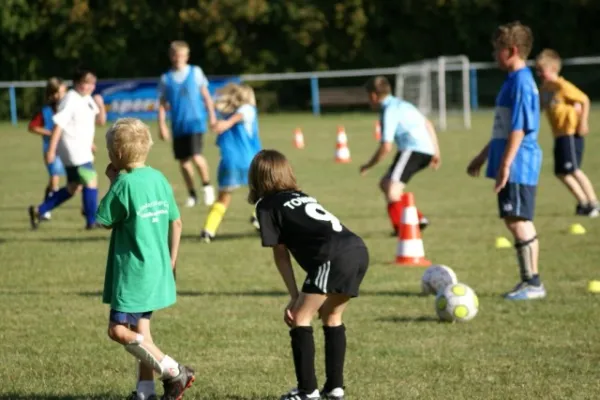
(77, 117)
(179, 76)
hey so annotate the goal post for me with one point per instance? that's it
(440, 88)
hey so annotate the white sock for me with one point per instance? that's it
(145, 389)
(170, 367)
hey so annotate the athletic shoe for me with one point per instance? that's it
(295, 394)
(525, 291)
(174, 387)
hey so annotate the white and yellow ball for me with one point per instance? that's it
(436, 278)
(456, 303)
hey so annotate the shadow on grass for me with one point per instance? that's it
(390, 293)
(400, 319)
(41, 396)
(266, 293)
(222, 236)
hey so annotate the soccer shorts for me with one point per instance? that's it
(230, 176)
(342, 275)
(517, 200)
(82, 174)
(56, 167)
(406, 164)
(187, 146)
(568, 154)
(124, 318)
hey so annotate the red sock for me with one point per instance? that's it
(395, 213)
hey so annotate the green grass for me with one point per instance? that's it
(227, 322)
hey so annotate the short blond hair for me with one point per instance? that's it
(178, 45)
(514, 34)
(129, 140)
(549, 58)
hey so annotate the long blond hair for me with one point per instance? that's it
(231, 96)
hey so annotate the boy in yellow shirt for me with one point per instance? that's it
(567, 109)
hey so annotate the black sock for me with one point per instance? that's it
(335, 353)
(193, 193)
(535, 280)
(48, 193)
(303, 350)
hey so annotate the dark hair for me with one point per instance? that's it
(270, 172)
(379, 85)
(81, 73)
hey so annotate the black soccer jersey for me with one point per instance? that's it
(312, 234)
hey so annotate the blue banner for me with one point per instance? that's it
(139, 98)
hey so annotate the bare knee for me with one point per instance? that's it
(334, 319)
(73, 188)
(118, 333)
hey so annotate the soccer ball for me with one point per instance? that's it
(456, 302)
(436, 278)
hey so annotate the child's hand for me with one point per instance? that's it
(363, 169)
(501, 179)
(436, 161)
(93, 148)
(111, 172)
(475, 166)
(163, 131)
(50, 156)
(288, 314)
(220, 126)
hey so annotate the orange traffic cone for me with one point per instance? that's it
(298, 139)
(377, 131)
(342, 152)
(410, 250)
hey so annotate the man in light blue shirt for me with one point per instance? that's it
(414, 135)
(513, 154)
(184, 91)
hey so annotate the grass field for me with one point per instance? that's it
(227, 322)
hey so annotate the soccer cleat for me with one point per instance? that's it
(47, 216)
(525, 291)
(34, 218)
(587, 210)
(190, 202)
(209, 195)
(423, 223)
(295, 394)
(206, 237)
(254, 222)
(174, 387)
(335, 394)
(134, 396)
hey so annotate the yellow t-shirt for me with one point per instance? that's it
(558, 99)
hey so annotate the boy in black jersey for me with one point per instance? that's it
(334, 258)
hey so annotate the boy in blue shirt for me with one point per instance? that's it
(401, 123)
(184, 90)
(513, 154)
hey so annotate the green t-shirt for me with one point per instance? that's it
(139, 206)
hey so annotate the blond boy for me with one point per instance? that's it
(140, 270)
(567, 109)
(184, 90)
(513, 155)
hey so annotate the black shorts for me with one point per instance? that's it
(406, 164)
(568, 154)
(81, 174)
(517, 200)
(342, 275)
(187, 146)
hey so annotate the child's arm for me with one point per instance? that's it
(101, 116)
(54, 139)
(163, 129)
(476, 163)
(575, 96)
(512, 146)
(389, 124)
(36, 126)
(175, 229)
(210, 106)
(284, 265)
(436, 161)
(222, 125)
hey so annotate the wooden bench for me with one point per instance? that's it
(343, 96)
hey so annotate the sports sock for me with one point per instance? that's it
(335, 353)
(170, 367)
(54, 201)
(394, 213)
(48, 192)
(192, 193)
(145, 389)
(303, 350)
(90, 204)
(525, 258)
(214, 218)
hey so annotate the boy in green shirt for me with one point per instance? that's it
(140, 271)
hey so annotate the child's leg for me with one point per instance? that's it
(145, 385)
(586, 186)
(335, 340)
(216, 213)
(302, 340)
(203, 170)
(393, 195)
(90, 202)
(527, 248)
(187, 171)
(574, 187)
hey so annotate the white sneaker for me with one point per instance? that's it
(335, 394)
(47, 216)
(209, 195)
(295, 394)
(191, 202)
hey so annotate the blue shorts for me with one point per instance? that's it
(568, 154)
(124, 318)
(517, 200)
(82, 174)
(230, 176)
(56, 168)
